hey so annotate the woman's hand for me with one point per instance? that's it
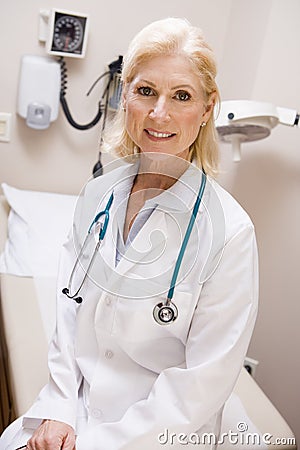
(52, 435)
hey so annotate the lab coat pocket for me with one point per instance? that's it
(153, 345)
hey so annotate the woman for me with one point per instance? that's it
(124, 372)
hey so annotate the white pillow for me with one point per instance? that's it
(38, 225)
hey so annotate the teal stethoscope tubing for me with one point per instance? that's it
(163, 313)
(102, 232)
(186, 237)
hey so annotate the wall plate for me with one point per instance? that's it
(5, 127)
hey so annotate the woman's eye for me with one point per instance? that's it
(144, 90)
(183, 96)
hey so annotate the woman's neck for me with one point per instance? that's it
(159, 171)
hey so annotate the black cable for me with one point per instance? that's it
(64, 104)
(95, 82)
(70, 119)
(98, 167)
(114, 67)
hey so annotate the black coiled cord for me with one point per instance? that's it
(64, 104)
(114, 67)
(63, 75)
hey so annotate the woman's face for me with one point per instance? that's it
(165, 106)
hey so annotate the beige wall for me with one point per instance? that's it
(257, 46)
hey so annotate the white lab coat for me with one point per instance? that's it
(140, 382)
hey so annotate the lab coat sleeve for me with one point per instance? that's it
(58, 399)
(183, 400)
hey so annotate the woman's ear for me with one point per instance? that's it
(209, 107)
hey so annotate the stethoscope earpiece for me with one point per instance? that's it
(165, 313)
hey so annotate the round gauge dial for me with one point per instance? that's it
(68, 34)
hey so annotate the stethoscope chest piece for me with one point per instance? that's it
(165, 313)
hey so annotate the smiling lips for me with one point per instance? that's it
(159, 134)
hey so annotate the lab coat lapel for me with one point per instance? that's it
(107, 254)
(108, 250)
(148, 243)
(151, 239)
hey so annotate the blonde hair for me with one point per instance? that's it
(170, 36)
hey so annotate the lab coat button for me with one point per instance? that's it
(108, 300)
(109, 354)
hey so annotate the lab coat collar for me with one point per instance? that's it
(184, 191)
(181, 196)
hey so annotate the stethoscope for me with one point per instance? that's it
(164, 312)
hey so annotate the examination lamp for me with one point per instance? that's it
(242, 121)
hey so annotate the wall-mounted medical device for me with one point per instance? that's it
(242, 121)
(38, 93)
(43, 80)
(64, 32)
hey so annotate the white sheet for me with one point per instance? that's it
(38, 225)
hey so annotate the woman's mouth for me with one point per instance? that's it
(159, 134)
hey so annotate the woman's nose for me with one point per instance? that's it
(160, 110)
